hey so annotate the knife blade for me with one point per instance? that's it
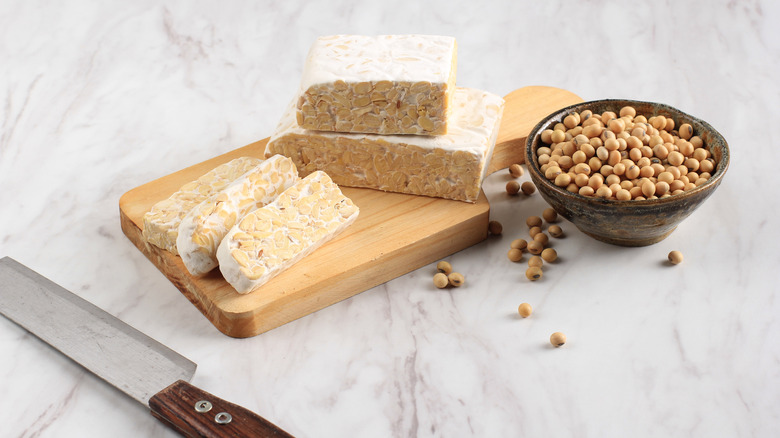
(136, 364)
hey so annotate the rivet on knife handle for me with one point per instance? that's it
(191, 411)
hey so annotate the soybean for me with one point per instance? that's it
(456, 279)
(512, 187)
(535, 261)
(555, 231)
(533, 221)
(440, 280)
(686, 131)
(535, 247)
(444, 267)
(549, 255)
(627, 111)
(518, 244)
(557, 339)
(563, 180)
(495, 227)
(515, 254)
(541, 238)
(533, 273)
(675, 257)
(524, 310)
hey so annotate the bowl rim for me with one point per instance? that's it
(536, 172)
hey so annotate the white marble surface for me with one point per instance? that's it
(99, 97)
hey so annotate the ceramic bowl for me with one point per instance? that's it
(627, 223)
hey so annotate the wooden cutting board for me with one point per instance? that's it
(393, 235)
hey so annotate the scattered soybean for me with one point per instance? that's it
(444, 267)
(440, 280)
(557, 339)
(516, 170)
(533, 273)
(495, 227)
(525, 310)
(456, 279)
(549, 255)
(675, 257)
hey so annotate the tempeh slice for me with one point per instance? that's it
(161, 223)
(204, 227)
(272, 238)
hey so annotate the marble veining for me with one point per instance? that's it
(97, 98)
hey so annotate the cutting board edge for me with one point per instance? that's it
(265, 318)
(261, 319)
(159, 258)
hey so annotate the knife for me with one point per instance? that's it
(136, 364)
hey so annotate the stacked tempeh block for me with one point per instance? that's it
(384, 113)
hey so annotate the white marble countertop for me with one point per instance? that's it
(99, 97)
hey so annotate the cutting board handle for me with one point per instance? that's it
(193, 412)
(527, 107)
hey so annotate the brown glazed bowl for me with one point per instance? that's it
(627, 223)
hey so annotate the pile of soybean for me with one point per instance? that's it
(624, 156)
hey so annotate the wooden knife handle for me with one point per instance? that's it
(196, 413)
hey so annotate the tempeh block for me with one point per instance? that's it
(204, 227)
(448, 166)
(386, 84)
(272, 238)
(161, 223)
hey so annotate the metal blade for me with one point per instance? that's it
(119, 354)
